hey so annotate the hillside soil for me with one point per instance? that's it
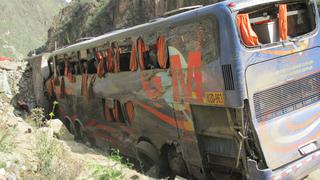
(32, 149)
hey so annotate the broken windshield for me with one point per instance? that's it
(275, 22)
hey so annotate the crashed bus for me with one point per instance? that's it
(225, 90)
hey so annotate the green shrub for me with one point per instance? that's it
(6, 139)
(114, 172)
(102, 172)
(46, 150)
(36, 117)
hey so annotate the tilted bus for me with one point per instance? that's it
(226, 90)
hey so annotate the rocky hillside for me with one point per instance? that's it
(83, 18)
(34, 148)
(24, 25)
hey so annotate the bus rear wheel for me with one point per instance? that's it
(176, 163)
(79, 134)
(150, 161)
(69, 125)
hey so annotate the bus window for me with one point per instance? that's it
(60, 68)
(117, 112)
(153, 51)
(91, 62)
(133, 57)
(150, 55)
(141, 51)
(196, 36)
(124, 53)
(162, 52)
(129, 107)
(100, 65)
(108, 112)
(274, 22)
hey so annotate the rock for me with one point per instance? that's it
(47, 131)
(2, 173)
(8, 65)
(59, 130)
(4, 84)
(29, 130)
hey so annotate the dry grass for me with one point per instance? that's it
(53, 162)
(6, 138)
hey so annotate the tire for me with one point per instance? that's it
(177, 163)
(70, 126)
(79, 134)
(150, 162)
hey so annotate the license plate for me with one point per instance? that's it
(308, 148)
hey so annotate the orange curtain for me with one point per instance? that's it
(109, 55)
(141, 50)
(116, 110)
(108, 114)
(84, 84)
(68, 74)
(130, 110)
(71, 78)
(117, 60)
(65, 69)
(133, 59)
(56, 81)
(62, 88)
(162, 52)
(283, 22)
(100, 66)
(249, 37)
(50, 86)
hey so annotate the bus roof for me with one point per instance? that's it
(101, 40)
(242, 4)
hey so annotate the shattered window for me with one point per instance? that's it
(196, 36)
(274, 22)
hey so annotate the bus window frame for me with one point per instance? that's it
(161, 31)
(55, 66)
(294, 40)
(51, 66)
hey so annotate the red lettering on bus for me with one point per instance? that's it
(193, 74)
(153, 88)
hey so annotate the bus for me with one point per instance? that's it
(224, 91)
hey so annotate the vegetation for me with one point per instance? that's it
(102, 172)
(47, 150)
(6, 138)
(3, 165)
(36, 118)
(24, 25)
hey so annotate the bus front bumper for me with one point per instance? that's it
(295, 170)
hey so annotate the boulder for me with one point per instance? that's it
(9, 65)
(59, 130)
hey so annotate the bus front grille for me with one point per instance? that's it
(286, 98)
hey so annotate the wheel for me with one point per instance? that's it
(79, 134)
(177, 163)
(69, 125)
(150, 162)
